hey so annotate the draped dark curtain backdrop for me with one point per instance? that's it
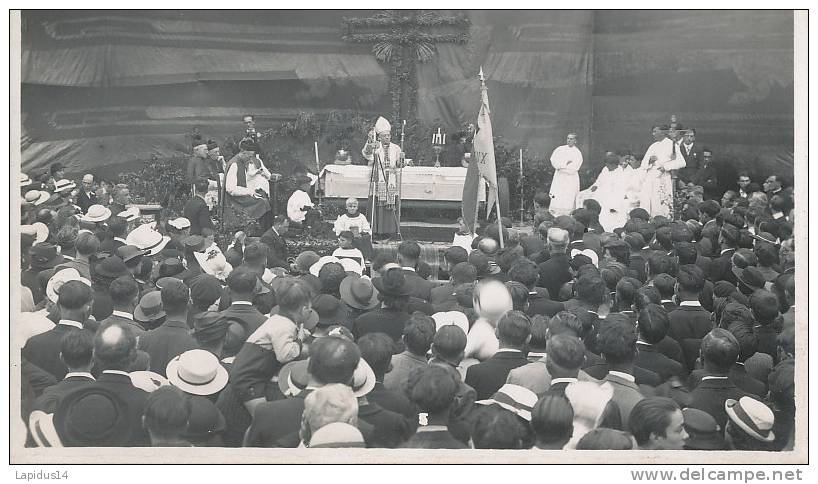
(105, 88)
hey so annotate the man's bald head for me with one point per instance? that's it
(557, 239)
(115, 347)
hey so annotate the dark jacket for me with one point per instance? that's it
(636, 264)
(43, 350)
(28, 278)
(53, 395)
(383, 320)
(442, 298)
(393, 401)
(388, 429)
(649, 357)
(487, 377)
(738, 375)
(555, 272)
(539, 302)
(137, 328)
(166, 343)
(246, 315)
(710, 396)
(693, 160)
(276, 424)
(103, 307)
(433, 439)
(136, 400)
(643, 375)
(420, 287)
(84, 201)
(197, 211)
(688, 322)
(708, 178)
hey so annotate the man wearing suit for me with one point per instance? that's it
(556, 271)
(719, 351)
(443, 297)
(526, 272)
(690, 322)
(114, 353)
(43, 350)
(277, 423)
(87, 196)
(76, 351)
(540, 375)
(721, 267)
(617, 341)
(277, 257)
(124, 293)
(408, 255)
(173, 337)
(242, 284)
(196, 209)
(513, 332)
(748, 343)
(692, 154)
(653, 323)
(707, 176)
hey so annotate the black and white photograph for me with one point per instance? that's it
(443, 235)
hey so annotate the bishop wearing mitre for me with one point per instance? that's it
(385, 158)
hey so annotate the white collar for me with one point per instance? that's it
(713, 377)
(117, 372)
(432, 428)
(122, 314)
(695, 304)
(624, 376)
(83, 374)
(509, 349)
(666, 300)
(562, 380)
(120, 239)
(778, 215)
(241, 303)
(640, 342)
(69, 322)
(408, 269)
(726, 250)
(537, 354)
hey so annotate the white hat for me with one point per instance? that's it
(147, 238)
(63, 185)
(513, 398)
(451, 318)
(214, 263)
(589, 253)
(131, 214)
(382, 125)
(88, 178)
(52, 290)
(97, 213)
(25, 180)
(42, 232)
(148, 380)
(315, 268)
(42, 197)
(752, 416)
(350, 265)
(363, 379)
(42, 429)
(337, 435)
(197, 372)
(179, 223)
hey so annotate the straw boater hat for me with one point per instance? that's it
(514, 398)
(180, 223)
(316, 268)
(97, 213)
(37, 197)
(148, 380)
(351, 266)
(147, 238)
(197, 372)
(25, 180)
(752, 416)
(42, 232)
(64, 185)
(52, 290)
(293, 378)
(131, 214)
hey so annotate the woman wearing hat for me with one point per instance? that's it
(246, 181)
(394, 294)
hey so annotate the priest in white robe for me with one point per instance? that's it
(657, 189)
(609, 191)
(385, 158)
(566, 160)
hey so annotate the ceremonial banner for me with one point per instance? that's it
(484, 149)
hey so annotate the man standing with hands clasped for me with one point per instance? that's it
(662, 157)
(566, 160)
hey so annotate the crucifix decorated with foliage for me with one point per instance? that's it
(401, 39)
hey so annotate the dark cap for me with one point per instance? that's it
(703, 432)
(752, 278)
(129, 252)
(112, 267)
(194, 243)
(209, 326)
(171, 267)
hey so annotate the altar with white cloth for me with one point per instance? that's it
(421, 186)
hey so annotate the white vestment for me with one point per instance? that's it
(657, 187)
(610, 193)
(566, 161)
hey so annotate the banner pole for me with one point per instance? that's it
(499, 221)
